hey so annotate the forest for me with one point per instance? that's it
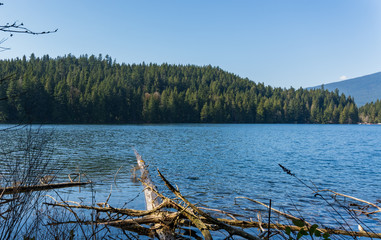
(96, 90)
(371, 112)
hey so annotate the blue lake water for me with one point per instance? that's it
(213, 164)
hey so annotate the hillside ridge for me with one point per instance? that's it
(364, 89)
(92, 89)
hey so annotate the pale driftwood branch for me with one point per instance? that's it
(354, 198)
(21, 189)
(231, 215)
(289, 216)
(365, 212)
(260, 222)
(368, 213)
(228, 228)
(152, 200)
(128, 212)
(153, 218)
(151, 197)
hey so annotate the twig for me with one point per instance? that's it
(268, 230)
(274, 210)
(116, 174)
(232, 215)
(356, 199)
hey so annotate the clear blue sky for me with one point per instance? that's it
(282, 43)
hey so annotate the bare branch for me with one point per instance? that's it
(19, 28)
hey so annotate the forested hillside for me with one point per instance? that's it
(371, 112)
(93, 89)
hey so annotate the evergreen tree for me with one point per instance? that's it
(92, 89)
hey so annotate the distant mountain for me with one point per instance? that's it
(364, 89)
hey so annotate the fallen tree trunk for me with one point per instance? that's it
(21, 189)
(152, 199)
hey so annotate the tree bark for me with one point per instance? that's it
(152, 200)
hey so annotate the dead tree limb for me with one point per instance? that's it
(229, 214)
(152, 200)
(124, 211)
(21, 189)
(289, 216)
(195, 220)
(229, 229)
(150, 196)
(353, 198)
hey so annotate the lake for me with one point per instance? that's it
(214, 163)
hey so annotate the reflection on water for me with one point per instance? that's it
(213, 164)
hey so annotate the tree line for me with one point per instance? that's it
(371, 112)
(96, 89)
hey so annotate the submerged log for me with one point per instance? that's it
(42, 187)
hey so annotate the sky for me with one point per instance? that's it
(281, 43)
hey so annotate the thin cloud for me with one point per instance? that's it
(343, 77)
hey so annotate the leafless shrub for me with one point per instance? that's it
(25, 157)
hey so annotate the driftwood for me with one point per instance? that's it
(250, 224)
(42, 187)
(189, 215)
(125, 211)
(356, 199)
(246, 224)
(222, 225)
(289, 216)
(131, 224)
(151, 197)
(177, 217)
(152, 200)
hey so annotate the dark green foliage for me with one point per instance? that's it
(305, 231)
(97, 90)
(298, 223)
(371, 112)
